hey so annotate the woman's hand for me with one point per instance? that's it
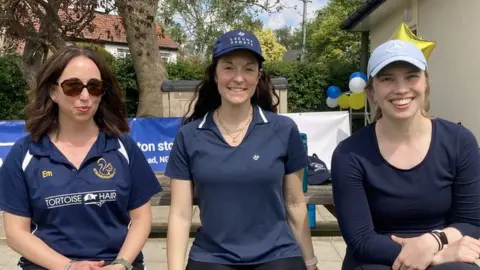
(417, 252)
(467, 250)
(86, 265)
(114, 267)
(313, 267)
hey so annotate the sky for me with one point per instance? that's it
(291, 17)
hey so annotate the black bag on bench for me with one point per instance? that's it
(318, 172)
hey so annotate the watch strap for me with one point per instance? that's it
(123, 262)
(442, 236)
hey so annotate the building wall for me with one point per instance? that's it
(454, 64)
(119, 50)
(384, 31)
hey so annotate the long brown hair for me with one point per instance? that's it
(207, 98)
(42, 113)
(378, 112)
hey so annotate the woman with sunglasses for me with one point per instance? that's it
(75, 192)
(246, 164)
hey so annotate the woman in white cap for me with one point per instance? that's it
(245, 164)
(407, 186)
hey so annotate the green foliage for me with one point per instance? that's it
(203, 21)
(12, 89)
(289, 37)
(306, 84)
(97, 48)
(327, 42)
(271, 49)
(125, 73)
(192, 69)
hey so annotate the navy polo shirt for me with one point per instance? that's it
(240, 189)
(82, 214)
(374, 199)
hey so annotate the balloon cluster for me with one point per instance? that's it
(354, 99)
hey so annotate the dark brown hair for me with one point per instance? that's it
(42, 113)
(378, 112)
(208, 98)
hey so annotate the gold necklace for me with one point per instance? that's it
(238, 131)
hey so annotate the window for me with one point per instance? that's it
(165, 56)
(122, 52)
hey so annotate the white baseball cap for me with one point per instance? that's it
(393, 51)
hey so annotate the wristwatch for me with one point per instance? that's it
(442, 236)
(123, 262)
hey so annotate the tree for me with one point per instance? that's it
(289, 37)
(7, 45)
(337, 49)
(204, 20)
(271, 49)
(44, 26)
(139, 22)
(327, 41)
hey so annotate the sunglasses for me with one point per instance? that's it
(74, 87)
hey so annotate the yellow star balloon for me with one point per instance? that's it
(404, 33)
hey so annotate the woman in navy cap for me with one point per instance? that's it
(407, 187)
(76, 191)
(244, 164)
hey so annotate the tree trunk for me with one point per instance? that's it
(139, 23)
(32, 58)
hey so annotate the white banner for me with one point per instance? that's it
(324, 131)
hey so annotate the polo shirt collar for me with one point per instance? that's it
(258, 118)
(45, 147)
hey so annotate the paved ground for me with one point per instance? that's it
(329, 250)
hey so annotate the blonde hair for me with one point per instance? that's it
(378, 112)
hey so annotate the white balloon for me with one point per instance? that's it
(357, 85)
(332, 102)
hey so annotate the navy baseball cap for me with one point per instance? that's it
(237, 40)
(393, 51)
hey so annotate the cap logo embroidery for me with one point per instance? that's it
(241, 34)
(395, 46)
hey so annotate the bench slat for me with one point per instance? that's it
(323, 226)
(317, 194)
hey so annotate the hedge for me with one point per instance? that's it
(306, 82)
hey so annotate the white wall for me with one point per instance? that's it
(455, 62)
(384, 30)
(114, 50)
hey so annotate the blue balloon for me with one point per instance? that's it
(333, 92)
(358, 74)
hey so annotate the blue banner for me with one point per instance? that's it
(154, 136)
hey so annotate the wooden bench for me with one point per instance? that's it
(317, 194)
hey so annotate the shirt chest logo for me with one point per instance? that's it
(105, 169)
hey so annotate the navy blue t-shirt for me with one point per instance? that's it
(373, 199)
(240, 189)
(82, 214)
